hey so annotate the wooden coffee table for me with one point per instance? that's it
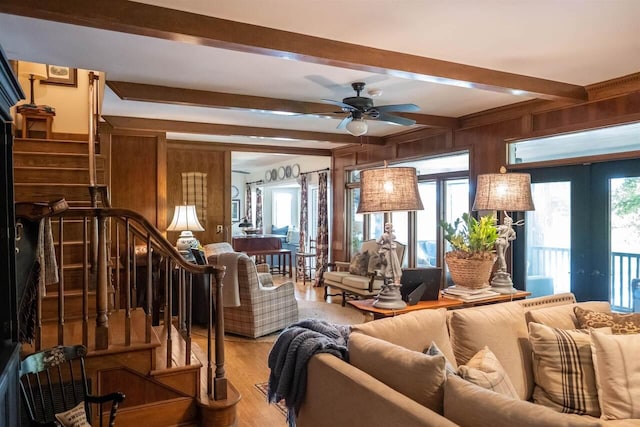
(366, 305)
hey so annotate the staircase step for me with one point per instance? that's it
(42, 191)
(177, 373)
(73, 274)
(62, 160)
(72, 306)
(32, 174)
(50, 146)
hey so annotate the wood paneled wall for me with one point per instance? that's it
(485, 135)
(193, 157)
(135, 176)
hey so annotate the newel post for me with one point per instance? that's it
(102, 300)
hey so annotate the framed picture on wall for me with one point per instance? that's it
(59, 75)
(235, 210)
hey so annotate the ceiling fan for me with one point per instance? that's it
(361, 107)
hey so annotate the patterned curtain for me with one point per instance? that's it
(194, 192)
(259, 208)
(247, 202)
(322, 238)
(304, 219)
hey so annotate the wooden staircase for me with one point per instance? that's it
(167, 379)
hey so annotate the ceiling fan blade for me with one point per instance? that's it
(394, 119)
(407, 108)
(339, 104)
(344, 122)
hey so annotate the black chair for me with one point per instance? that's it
(54, 381)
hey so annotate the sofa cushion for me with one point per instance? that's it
(335, 276)
(359, 263)
(415, 331)
(414, 374)
(469, 405)
(563, 317)
(620, 323)
(360, 282)
(563, 370)
(485, 370)
(617, 368)
(281, 231)
(503, 329)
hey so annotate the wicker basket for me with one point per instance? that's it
(470, 273)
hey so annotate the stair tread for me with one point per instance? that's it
(49, 184)
(46, 153)
(67, 293)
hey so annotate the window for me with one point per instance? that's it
(443, 184)
(282, 208)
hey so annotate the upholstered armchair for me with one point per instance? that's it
(264, 308)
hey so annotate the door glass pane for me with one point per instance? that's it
(625, 240)
(400, 221)
(357, 221)
(426, 226)
(548, 237)
(456, 195)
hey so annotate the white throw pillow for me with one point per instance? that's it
(485, 370)
(617, 368)
(74, 417)
(563, 370)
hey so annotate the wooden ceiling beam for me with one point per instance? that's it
(201, 98)
(143, 124)
(249, 148)
(153, 21)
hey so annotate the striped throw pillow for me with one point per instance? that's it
(563, 370)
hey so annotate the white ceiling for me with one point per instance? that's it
(573, 41)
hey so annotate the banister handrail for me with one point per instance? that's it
(159, 239)
(179, 276)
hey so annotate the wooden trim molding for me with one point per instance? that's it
(201, 98)
(252, 148)
(159, 125)
(153, 21)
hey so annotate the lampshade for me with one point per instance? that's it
(389, 189)
(503, 192)
(357, 127)
(38, 71)
(185, 219)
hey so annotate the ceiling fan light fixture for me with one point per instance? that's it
(357, 127)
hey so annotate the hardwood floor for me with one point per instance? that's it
(246, 365)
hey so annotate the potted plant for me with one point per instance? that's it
(471, 260)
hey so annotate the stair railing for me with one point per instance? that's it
(167, 286)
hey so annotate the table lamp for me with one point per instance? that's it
(504, 192)
(386, 190)
(245, 225)
(35, 72)
(186, 221)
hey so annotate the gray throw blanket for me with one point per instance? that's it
(291, 352)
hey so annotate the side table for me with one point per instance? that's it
(366, 305)
(37, 115)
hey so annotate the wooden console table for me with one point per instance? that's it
(366, 305)
(37, 115)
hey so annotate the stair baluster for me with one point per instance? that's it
(61, 281)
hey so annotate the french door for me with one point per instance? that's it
(584, 236)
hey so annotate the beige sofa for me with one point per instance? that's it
(363, 285)
(382, 385)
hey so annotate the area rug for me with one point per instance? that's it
(263, 388)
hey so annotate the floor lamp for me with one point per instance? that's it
(508, 192)
(386, 190)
